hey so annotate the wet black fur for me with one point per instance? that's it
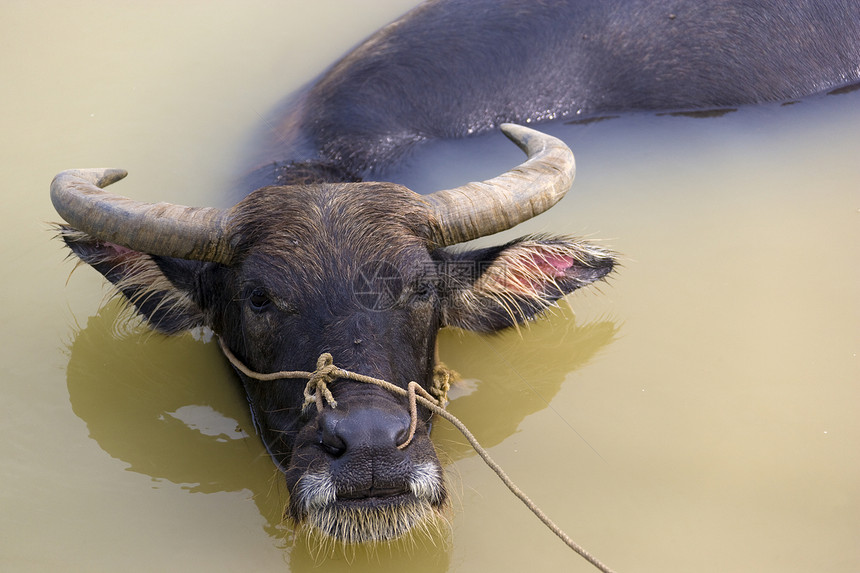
(452, 68)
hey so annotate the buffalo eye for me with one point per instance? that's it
(258, 299)
(423, 291)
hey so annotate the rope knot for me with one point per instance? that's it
(316, 390)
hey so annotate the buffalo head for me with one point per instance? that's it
(358, 270)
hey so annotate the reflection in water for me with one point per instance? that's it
(171, 409)
(701, 113)
(416, 553)
(592, 119)
(844, 89)
(528, 369)
(155, 403)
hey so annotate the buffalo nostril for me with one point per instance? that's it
(334, 448)
(329, 440)
(402, 435)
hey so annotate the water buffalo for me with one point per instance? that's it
(315, 260)
(290, 272)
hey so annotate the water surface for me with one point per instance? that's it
(698, 412)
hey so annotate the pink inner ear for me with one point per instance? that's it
(538, 269)
(119, 253)
(552, 265)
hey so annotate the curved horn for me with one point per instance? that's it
(482, 208)
(197, 233)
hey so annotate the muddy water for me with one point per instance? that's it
(697, 413)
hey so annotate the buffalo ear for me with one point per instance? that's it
(163, 290)
(511, 284)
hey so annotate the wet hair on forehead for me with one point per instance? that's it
(338, 218)
(308, 240)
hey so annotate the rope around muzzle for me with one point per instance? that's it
(317, 392)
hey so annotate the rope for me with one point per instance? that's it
(316, 391)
